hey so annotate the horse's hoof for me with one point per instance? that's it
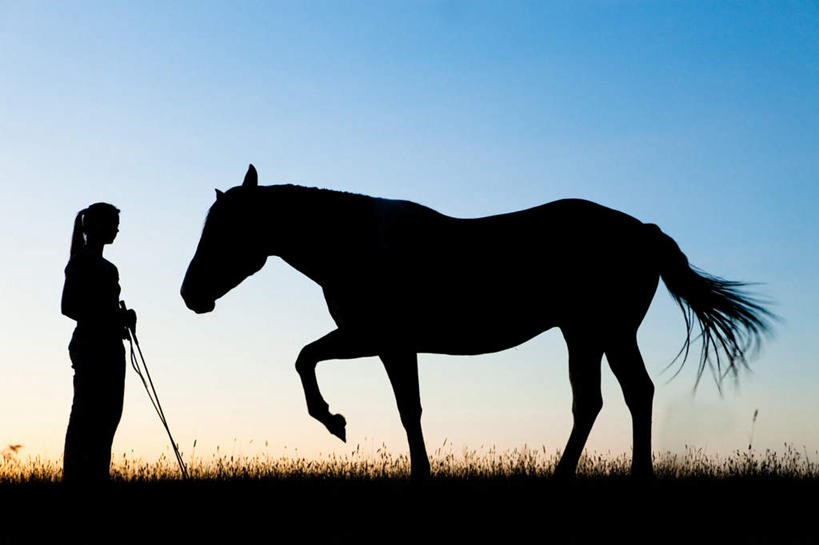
(563, 475)
(337, 425)
(644, 476)
(419, 476)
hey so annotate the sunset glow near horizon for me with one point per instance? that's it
(700, 118)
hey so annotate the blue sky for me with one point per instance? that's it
(701, 117)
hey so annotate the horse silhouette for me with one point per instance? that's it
(400, 278)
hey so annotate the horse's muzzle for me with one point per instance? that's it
(199, 306)
(202, 307)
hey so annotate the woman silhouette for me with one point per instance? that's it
(91, 297)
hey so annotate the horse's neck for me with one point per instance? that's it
(317, 230)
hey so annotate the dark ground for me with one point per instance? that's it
(313, 510)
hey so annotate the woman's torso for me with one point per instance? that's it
(92, 293)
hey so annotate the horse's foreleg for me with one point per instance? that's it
(627, 364)
(402, 369)
(335, 345)
(584, 374)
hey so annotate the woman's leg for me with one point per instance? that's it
(78, 436)
(99, 383)
(112, 412)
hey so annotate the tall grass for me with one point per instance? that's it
(447, 463)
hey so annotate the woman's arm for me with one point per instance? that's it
(71, 304)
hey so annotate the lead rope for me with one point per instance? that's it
(149, 388)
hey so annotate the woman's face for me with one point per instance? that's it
(103, 229)
(113, 229)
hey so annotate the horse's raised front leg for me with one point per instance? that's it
(584, 375)
(336, 345)
(402, 369)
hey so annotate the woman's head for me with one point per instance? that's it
(99, 224)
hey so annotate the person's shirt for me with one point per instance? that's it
(91, 297)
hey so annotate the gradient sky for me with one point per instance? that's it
(701, 117)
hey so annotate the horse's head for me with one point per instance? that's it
(229, 250)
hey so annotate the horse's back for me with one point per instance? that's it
(489, 282)
(555, 231)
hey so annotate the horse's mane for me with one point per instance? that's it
(325, 202)
(325, 194)
(329, 198)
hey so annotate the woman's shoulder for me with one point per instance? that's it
(77, 262)
(88, 262)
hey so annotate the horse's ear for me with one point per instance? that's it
(251, 178)
(219, 194)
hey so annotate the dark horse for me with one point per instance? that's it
(400, 278)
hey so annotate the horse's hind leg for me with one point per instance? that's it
(584, 374)
(402, 369)
(627, 364)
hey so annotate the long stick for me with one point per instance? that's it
(152, 395)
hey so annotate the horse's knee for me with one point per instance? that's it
(587, 406)
(411, 416)
(638, 391)
(305, 363)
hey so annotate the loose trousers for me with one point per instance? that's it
(99, 388)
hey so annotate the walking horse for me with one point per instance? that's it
(400, 279)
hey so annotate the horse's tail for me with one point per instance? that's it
(731, 323)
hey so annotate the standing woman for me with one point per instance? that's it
(91, 297)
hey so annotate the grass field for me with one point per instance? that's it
(486, 497)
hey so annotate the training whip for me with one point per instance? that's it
(142, 372)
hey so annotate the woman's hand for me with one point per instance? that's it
(127, 317)
(130, 319)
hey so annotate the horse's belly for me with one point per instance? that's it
(464, 324)
(475, 338)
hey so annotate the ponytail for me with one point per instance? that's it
(77, 239)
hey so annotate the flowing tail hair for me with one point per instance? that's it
(731, 322)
